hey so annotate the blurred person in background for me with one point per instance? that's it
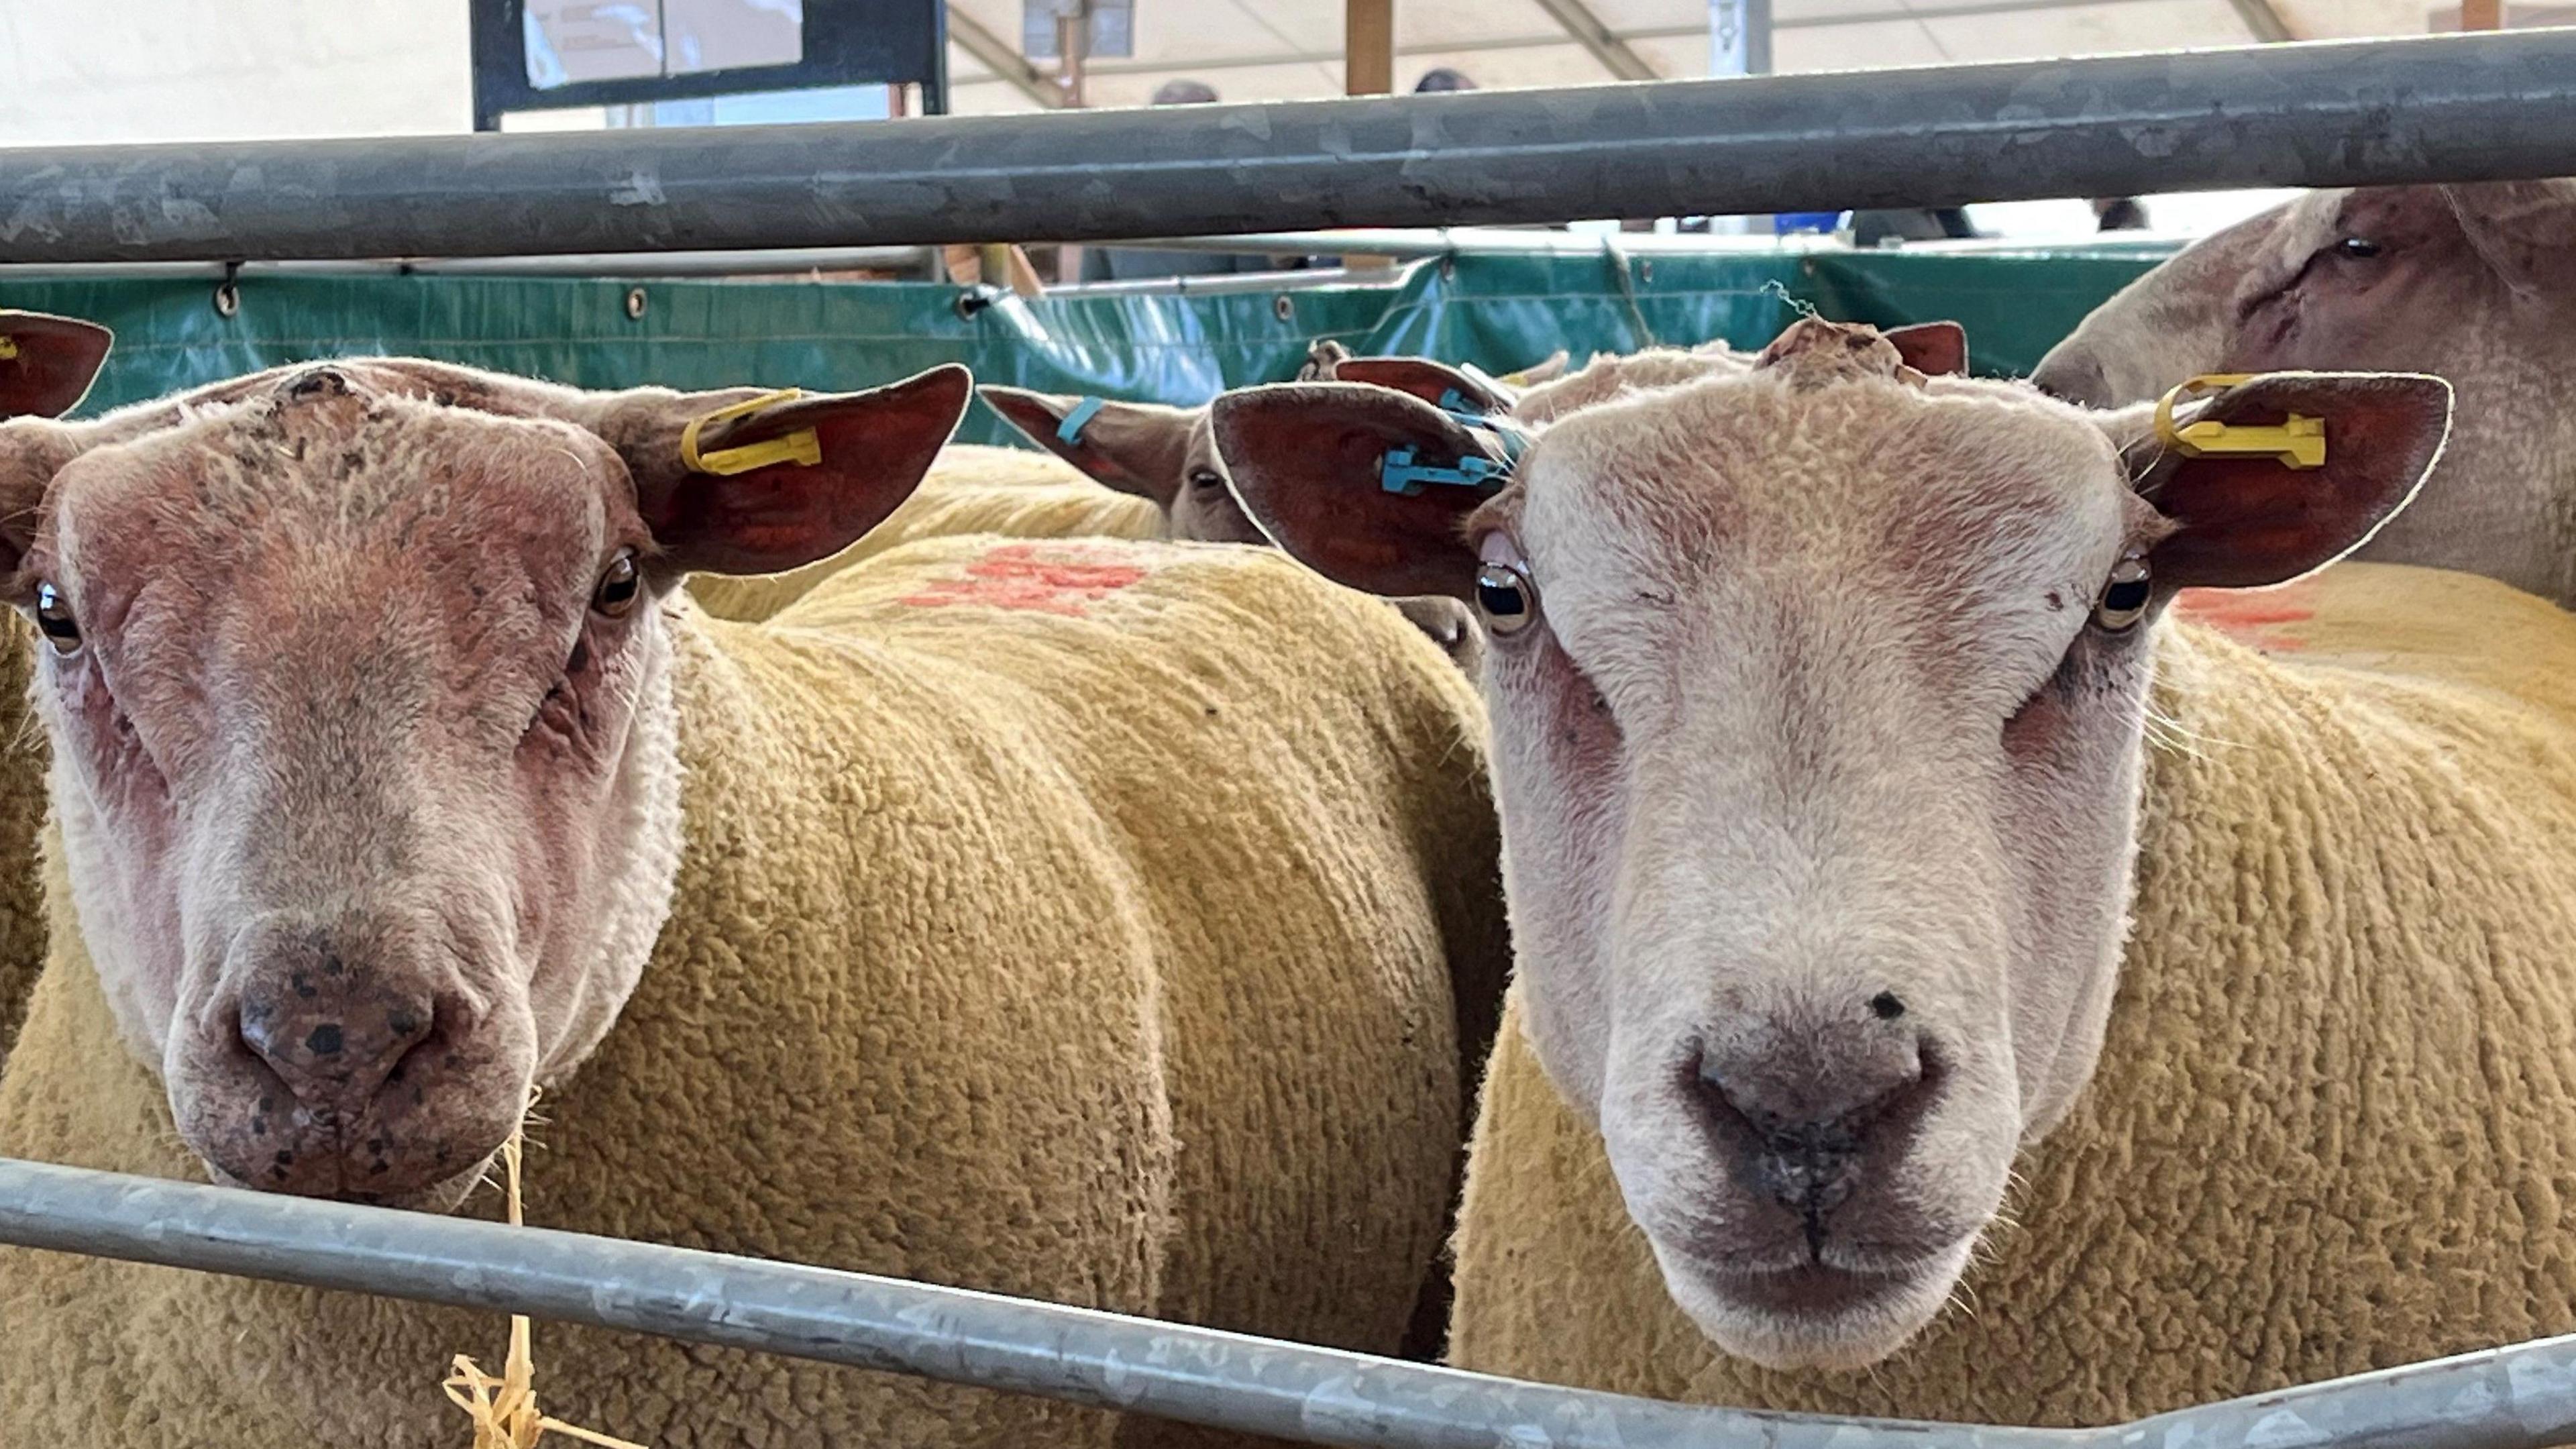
(1911, 223)
(1443, 78)
(2119, 213)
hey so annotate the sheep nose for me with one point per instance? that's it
(333, 1026)
(2073, 378)
(1804, 1108)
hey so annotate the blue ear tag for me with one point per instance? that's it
(1405, 476)
(1399, 473)
(1069, 432)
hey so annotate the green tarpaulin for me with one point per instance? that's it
(1500, 312)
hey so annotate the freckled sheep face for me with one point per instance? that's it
(364, 765)
(1818, 769)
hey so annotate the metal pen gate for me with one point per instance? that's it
(2470, 108)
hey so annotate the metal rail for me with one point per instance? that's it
(2514, 1398)
(2449, 108)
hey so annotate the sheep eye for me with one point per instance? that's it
(618, 587)
(2358, 246)
(54, 617)
(1506, 598)
(1206, 478)
(2124, 597)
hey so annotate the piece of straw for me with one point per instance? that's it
(504, 1410)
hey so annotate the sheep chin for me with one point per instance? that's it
(1863, 1320)
(438, 1199)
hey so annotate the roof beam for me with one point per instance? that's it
(996, 55)
(2263, 20)
(1615, 54)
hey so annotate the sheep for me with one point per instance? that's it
(1842, 734)
(873, 936)
(2467, 282)
(46, 366)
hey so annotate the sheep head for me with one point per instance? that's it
(358, 683)
(1818, 688)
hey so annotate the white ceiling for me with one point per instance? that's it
(1285, 49)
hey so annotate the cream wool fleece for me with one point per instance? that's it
(970, 489)
(1075, 920)
(2333, 1128)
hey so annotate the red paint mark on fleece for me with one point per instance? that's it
(2264, 618)
(1040, 578)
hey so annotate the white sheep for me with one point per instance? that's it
(394, 773)
(1823, 696)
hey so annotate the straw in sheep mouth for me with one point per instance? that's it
(504, 1409)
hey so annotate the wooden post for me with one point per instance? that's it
(2482, 14)
(1072, 48)
(1368, 69)
(1368, 47)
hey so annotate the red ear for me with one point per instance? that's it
(47, 363)
(870, 451)
(1935, 349)
(1308, 461)
(2247, 520)
(1138, 448)
(1433, 382)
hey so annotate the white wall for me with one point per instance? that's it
(74, 71)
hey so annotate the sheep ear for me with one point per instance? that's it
(1310, 460)
(1935, 349)
(1436, 383)
(1138, 448)
(47, 363)
(2247, 519)
(768, 485)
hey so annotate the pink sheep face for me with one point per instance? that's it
(364, 744)
(363, 772)
(1818, 689)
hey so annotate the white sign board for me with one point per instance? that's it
(572, 41)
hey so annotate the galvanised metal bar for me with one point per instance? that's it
(2515, 1398)
(2449, 108)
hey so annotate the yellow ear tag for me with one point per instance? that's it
(801, 447)
(2296, 442)
(8, 347)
